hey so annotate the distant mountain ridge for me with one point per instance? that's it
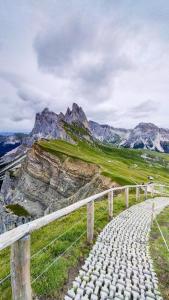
(9, 141)
(148, 136)
(74, 123)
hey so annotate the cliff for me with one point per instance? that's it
(48, 182)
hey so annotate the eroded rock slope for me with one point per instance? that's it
(48, 182)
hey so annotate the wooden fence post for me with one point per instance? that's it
(90, 221)
(20, 269)
(161, 190)
(152, 190)
(110, 205)
(137, 193)
(127, 196)
(145, 193)
(153, 212)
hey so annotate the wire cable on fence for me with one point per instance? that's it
(55, 239)
(4, 279)
(162, 234)
(57, 258)
(45, 247)
(63, 253)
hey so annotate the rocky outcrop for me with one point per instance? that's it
(47, 182)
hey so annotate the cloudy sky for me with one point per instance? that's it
(111, 57)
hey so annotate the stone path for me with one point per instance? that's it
(119, 265)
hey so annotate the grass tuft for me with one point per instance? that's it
(159, 252)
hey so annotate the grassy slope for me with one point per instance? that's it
(125, 166)
(52, 283)
(159, 252)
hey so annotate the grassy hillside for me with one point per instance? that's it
(125, 166)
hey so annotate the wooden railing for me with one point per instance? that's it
(19, 238)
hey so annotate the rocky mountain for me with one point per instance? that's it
(58, 126)
(74, 125)
(76, 115)
(108, 134)
(148, 136)
(50, 125)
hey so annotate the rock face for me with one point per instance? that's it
(76, 115)
(108, 134)
(148, 136)
(47, 125)
(51, 125)
(46, 182)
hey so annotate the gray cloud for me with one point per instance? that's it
(18, 118)
(145, 107)
(108, 56)
(58, 46)
(13, 78)
(26, 92)
(90, 54)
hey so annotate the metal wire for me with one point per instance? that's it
(62, 254)
(4, 279)
(57, 258)
(58, 237)
(162, 234)
(45, 247)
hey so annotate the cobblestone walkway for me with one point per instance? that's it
(119, 265)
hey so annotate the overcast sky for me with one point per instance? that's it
(111, 57)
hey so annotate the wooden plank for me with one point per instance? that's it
(90, 221)
(8, 238)
(20, 269)
(127, 196)
(110, 204)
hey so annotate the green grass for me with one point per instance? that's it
(125, 166)
(159, 252)
(75, 131)
(18, 210)
(54, 282)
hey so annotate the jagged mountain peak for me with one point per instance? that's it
(76, 115)
(45, 110)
